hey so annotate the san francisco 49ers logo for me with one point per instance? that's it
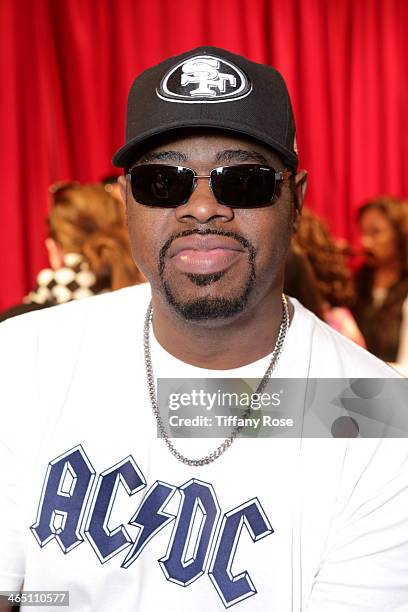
(204, 78)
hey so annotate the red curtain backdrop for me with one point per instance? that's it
(66, 67)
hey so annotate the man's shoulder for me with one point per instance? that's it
(70, 319)
(333, 355)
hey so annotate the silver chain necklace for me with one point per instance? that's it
(235, 432)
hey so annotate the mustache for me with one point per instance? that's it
(216, 232)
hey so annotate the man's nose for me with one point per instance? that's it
(203, 206)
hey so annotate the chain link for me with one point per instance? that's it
(235, 432)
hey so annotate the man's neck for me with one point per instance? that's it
(238, 342)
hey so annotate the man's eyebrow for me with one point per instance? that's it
(174, 156)
(228, 155)
(241, 155)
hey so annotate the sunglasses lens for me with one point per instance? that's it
(160, 185)
(244, 185)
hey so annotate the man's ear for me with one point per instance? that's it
(122, 187)
(299, 196)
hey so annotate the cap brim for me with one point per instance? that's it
(127, 154)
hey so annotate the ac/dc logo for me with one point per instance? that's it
(75, 505)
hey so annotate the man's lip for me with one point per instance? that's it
(204, 243)
(192, 261)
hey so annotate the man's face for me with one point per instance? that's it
(210, 261)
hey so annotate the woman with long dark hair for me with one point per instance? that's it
(333, 278)
(382, 280)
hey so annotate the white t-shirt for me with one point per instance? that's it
(91, 501)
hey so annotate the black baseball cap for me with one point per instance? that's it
(210, 87)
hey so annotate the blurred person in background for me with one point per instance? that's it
(382, 280)
(334, 279)
(88, 248)
(300, 280)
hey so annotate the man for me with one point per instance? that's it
(92, 500)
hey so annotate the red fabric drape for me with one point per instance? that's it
(66, 67)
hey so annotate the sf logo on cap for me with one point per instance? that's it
(204, 78)
(206, 73)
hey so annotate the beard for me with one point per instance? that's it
(208, 307)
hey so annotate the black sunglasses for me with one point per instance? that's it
(241, 186)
